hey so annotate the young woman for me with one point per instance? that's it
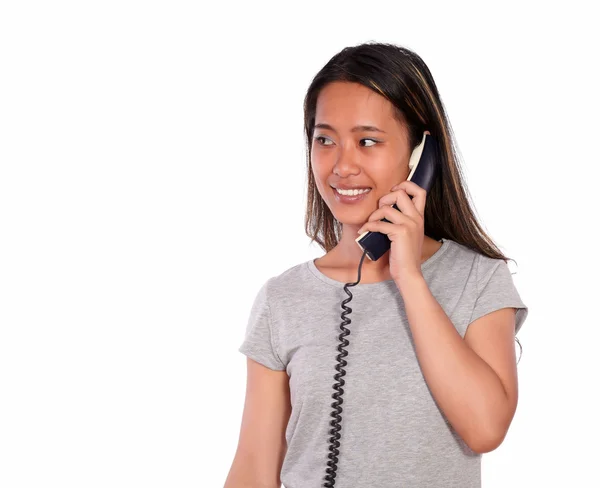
(430, 379)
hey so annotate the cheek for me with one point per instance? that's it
(320, 177)
(321, 185)
(319, 169)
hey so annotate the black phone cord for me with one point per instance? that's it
(334, 440)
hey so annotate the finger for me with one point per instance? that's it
(379, 226)
(409, 186)
(402, 201)
(418, 194)
(393, 215)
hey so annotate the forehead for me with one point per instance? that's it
(344, 103)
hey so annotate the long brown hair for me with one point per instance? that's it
(404, 79)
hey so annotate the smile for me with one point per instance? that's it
(351, 193)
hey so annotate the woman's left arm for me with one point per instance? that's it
(473, 380)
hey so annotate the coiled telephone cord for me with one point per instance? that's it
(334, 440)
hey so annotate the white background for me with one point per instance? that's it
(153, 177)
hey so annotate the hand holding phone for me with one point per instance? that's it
(423, 165)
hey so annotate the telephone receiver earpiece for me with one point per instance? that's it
(423, 168)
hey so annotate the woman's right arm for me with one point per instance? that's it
(262, 445)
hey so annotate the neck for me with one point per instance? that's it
(348, 253)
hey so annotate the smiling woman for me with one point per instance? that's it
(432, 379)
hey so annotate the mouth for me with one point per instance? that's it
(351, 196)
(352, 192)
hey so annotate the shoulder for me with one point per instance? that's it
(465, 261)
(461, 258)
(485, 269)
(286, 281)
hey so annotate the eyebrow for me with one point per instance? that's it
(357, 128)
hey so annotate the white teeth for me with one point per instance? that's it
(352, 192)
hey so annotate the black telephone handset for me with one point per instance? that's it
(423, 165)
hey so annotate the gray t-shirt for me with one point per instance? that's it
(393, 433)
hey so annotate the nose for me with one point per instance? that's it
(346, 164)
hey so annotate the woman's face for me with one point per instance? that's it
(345, 154)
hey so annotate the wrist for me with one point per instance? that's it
(410, 279)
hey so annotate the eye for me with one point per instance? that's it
(368, 139)
(318, 139)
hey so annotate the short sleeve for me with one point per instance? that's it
(496, 290)
(260, 342)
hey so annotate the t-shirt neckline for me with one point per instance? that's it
(426, 264)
